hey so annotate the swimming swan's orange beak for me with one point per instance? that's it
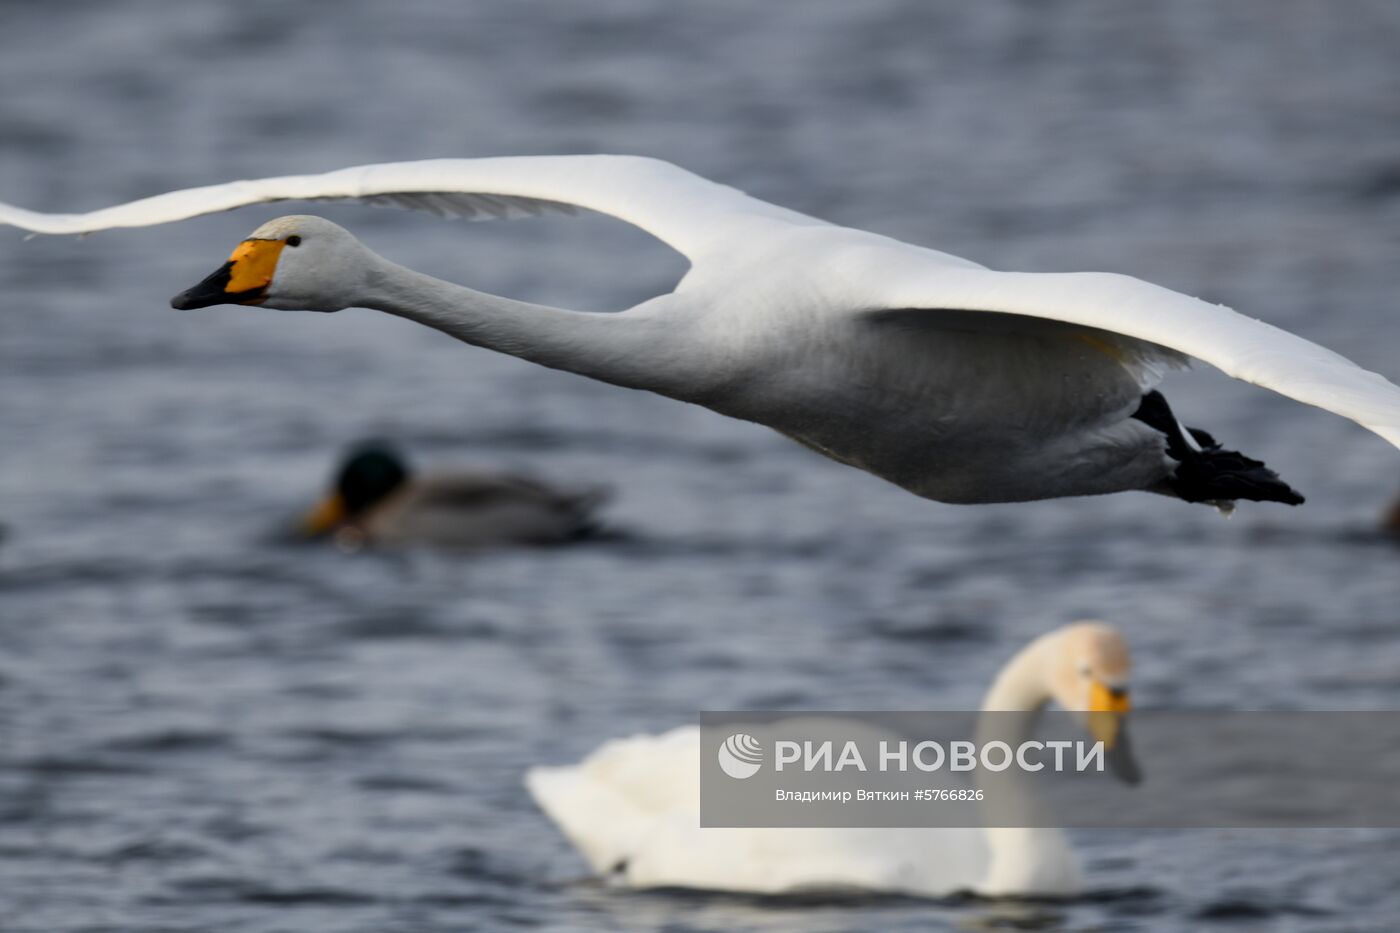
(243, 280)
(1106, 708)
(1107, 714)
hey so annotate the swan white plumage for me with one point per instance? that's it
(956, 382)
(632, 808)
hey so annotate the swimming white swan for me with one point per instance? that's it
(956, 382)
(632, 808)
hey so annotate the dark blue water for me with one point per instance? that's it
(200, 730)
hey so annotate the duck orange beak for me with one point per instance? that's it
(325, 518)
(243, 280)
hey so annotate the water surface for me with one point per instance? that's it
(200, 730)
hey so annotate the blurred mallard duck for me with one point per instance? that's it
(377, 499)
(1390, 521)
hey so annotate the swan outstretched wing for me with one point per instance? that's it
(676, 206)
(1242, 347)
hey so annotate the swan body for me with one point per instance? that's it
(956, 382)
(376, 500)
(632, 807)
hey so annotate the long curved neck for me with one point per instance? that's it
(1022, 859)
(1017, 695)
(638, 349)
(1020, 685)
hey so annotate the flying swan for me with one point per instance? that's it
(953, 381)
(632, 808)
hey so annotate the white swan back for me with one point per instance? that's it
(632, 810)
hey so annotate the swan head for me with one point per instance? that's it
(1088, 675)
(294, 263)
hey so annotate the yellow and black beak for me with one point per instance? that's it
(1108, 709)
(243, 280)
(325, 518)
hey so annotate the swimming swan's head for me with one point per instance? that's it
(1089, 675)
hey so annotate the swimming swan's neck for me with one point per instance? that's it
(1010, 712)
(637, 348)
(1021, 858)
(1021, 684)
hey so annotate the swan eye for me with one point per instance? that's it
(1084, 671)
(293, 240)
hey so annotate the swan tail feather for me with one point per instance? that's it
(602, 826)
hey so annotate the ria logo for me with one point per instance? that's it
(740, 756)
